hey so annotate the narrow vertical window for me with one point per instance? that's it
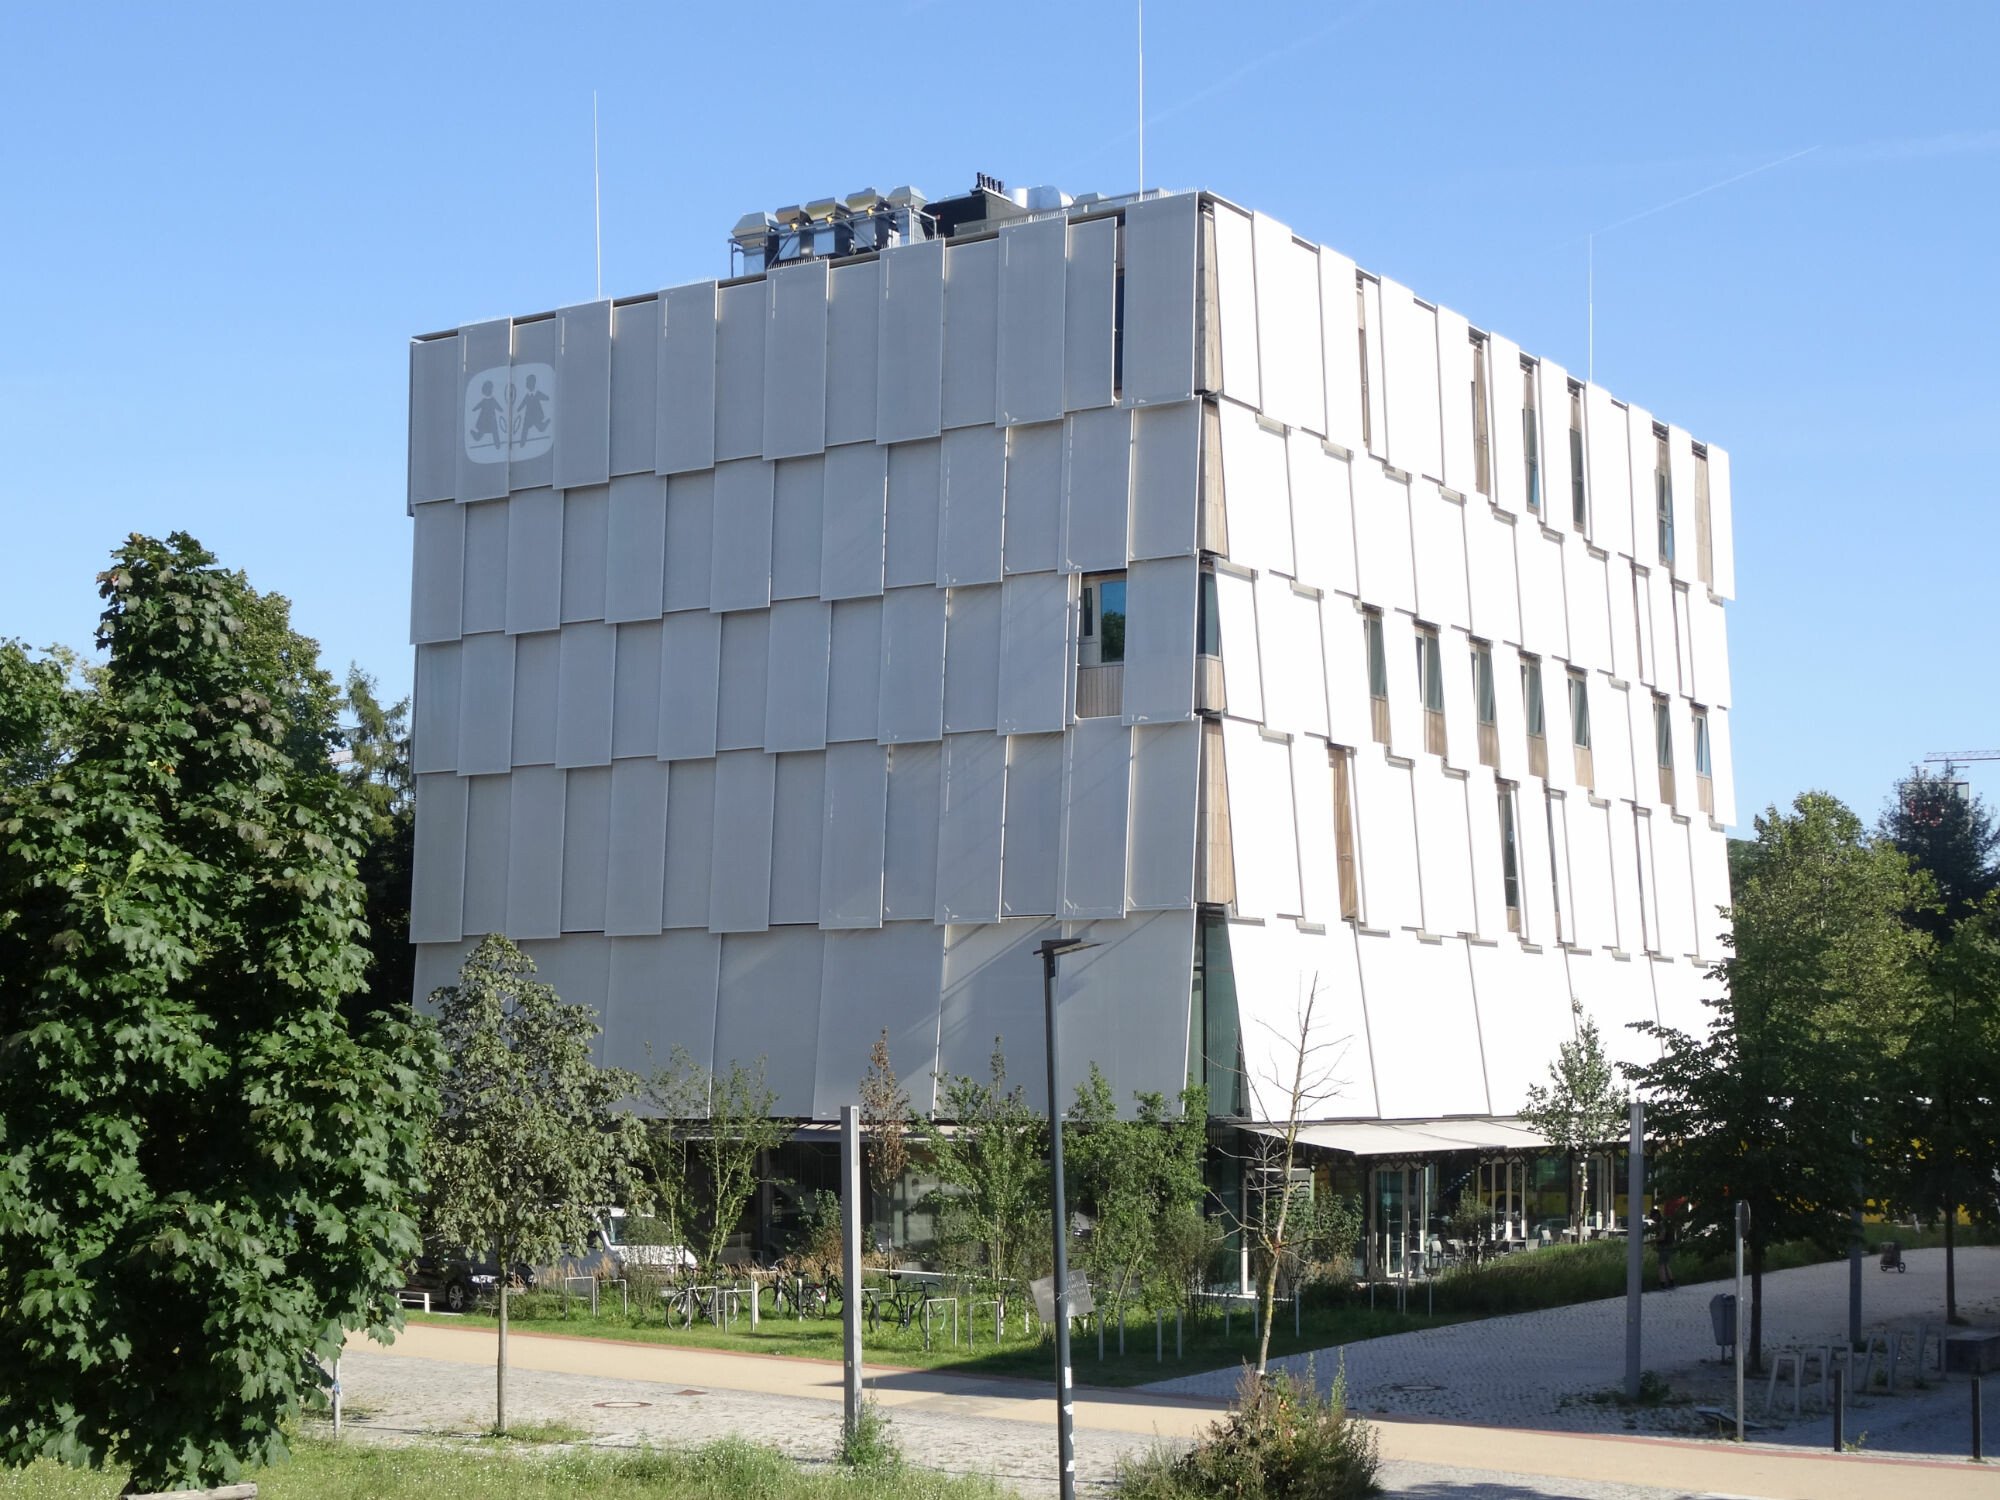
(1579, 498)
(1208, 625)
(1342, 760)
(1100, 648)
(1216, 877)
(1531, 437)
(1378, 674)
(1118, 319)
(1663, 748)
(1704, 544)
(1704, 778)
(1430, 689)
(1482, 698)
(1531, 703)
(1642, 841)
(1361, 339)
(1579, 719)
(1510, 860)
(1640, 579)
(1663, 494)
(1482, 440)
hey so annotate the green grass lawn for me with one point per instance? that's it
(728, 1470)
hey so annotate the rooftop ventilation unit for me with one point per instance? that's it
(828, 227)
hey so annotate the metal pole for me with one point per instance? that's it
(336, 1407)
(1978, 1422)
(1065, 1411)
(850, 1264)
(1742, 1228)
(1856, 1248)
(1635, 1248)
(1839, 1410)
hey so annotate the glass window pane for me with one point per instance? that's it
(1111, 620)
(1579, 710)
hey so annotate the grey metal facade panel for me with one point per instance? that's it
(1166, 480)
(635, 691)
(851, 527)
(768, 1007)
(739, 371)
(797, 827)
(910, 837)
(690, 540)
(797, 519)
(993, 989)
(909, 366)
(535, 853)
(1033, 536)
(684, 432)
(1031, 848)
(971, 658)
(971, 332)
(975, 483)
(916, 498)
(537, 660)
(437, 573)
(1125, 1005)
(583, 384)
(489, 809)
(912, 702)
(795, 340)
(434, 409)
(1166, 766)
(635, 882)
(586, 854)
(635, 385)
(740, 573)
(1159, 300)
(485, 704)
(437, 860)
(739, 888)
(434, 716)
(851, 846)
(740, 694)
(660, 995)
(853, 326)
(586, 538)
(1097, 490)
(1090, 337)
(485, 353)
(1034, 261)
(690, 840)
(854, 673)
(534, 560)
(795, 683)
(583, 695)
(969, 829)
(577, 967)
(531, 461)
(1035, 656)
(1160, 612)
(874, 982)
(690, 669)
(1096, 789)
(635, 548)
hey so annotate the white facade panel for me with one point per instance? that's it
(1343, 653)
(1630, 657)
(1386, 825)
(992, 997)
(534, 852)
(1460, 712)
(537, 661)
(1585, 582)
(1722, 756)
(912, 704)
(798, 523)
(1242, 667)
(1708, 634)
(910, 840)
(1643, 452)
(1166, 763)
(1609, 460)
(1382, 538)
(635, 690)
(795, 683)
(1262, 827)
(1437, 530)
(1409, 357)
(534, 560)
(1035, 656)
(740, 570)
(635, 880)
(1159, 640)
(635, 548)
(1256, 489)
(685, 380)
(969, 828)
(434, 714)
(690, 669)
(1493, 596)
(1444, 850)
(1279, 970)
(1288, 328)
(1031, 851)
(1033, 268)
(1312, 802)
(916, 498)
(586, 527)
(1709, 851)
(971, 333)
(795, 373)
(635, 386)
(767, 1008)
(909, 366)
(875, 982)
(1096, 794)
(1721, 523)
(1097, 490)
(583, 416)
(798, 822)
(1664, 661)
(1455, 387)
(971, 658)
(1322, 515)
(484, 348)
(1685, 562)
(975, 482)
(434, 407)
(851, 843)
(1510, 712)
(583, 695)
(740, 695)
(690, 540)
(856, 499)
(1558, 501)
(1482, 821)
(1675, 876)
(437, 573)
(1235, 308)
(1159, 300)
(1533, 824)
(489, 804)
(586, 856)
(536, 343)
(1590, 877)
(484, 605)
(739, 891)
(1524, 1016)
(660, 995)
(739, 371)
(1124, 1005)
(1089, 341)
(1340, 344)
(1538, 555)
(853, 325)
(1611, 729)
(437, 860)
(1406, 725)
(690, 843)
(1424, 1027)
(1562, 893)
(1510, 475)
(854, 670)
(485, 704)
(1288, 635)
(1033, 525)
(1166, 480)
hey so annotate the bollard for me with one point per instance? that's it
(1121, 1330)
(1839, 1410)
(1100, 1336)
(1225, 1320)
(1159, 1336)
(1978, 1424)
(1295, 1313)
(756, 1296)
(1177, 1333)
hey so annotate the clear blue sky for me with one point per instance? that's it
(223, 223)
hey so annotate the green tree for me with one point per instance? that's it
(1581, 1108)
(377, 738)
(992, 1202)
(1771, 1104)
(885, 1114)
(532, 1141)
(1137, 1178)
(42, 701)
(707, 1147)
(206, 1174)
(1952, 838)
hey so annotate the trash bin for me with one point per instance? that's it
(1722, 1315)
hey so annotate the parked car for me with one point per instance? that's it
(458, 1282)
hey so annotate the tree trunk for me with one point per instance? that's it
(500, 1371)
(1756, 1350)
(1951, 1264)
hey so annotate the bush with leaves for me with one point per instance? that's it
(1134, 1178)
(706, 1147)
(885, 1114)
(992, 1202)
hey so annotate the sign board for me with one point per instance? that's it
(1081, 1303)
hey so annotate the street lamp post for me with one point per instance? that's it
(1051, 949)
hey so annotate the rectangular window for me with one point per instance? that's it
(1208, 624)
(1704, 545)
(1361, 337)
(1215, 879)
(1531, 701)
(1510, 859)
(1430, 689)
(1579, 499)
(1378, 674)
(1100, 648)
(1482, 698)
(1704, 778)
(1342, 760)
(1579, 719)
(1663, 494)
(1663, 748)
(1531, 437)
(1482, 443)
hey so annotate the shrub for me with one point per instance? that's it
(871, 1447)
(1284, 1441)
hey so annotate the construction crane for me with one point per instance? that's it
(1951, 759)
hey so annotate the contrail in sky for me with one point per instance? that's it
(1660, 208)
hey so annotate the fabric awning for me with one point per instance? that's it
(1415, 1137)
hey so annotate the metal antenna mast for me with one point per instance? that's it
(1142, 95)
(596, 196)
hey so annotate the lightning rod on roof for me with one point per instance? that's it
(596, 196)
(1142, 95)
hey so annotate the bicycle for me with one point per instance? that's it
(687, 1301)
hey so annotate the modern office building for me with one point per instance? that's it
(797, 650)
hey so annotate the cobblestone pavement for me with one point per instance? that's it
(1541, 1369)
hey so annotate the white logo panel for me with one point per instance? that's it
(510, 413)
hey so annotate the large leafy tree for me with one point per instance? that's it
(377, 738)
(206, 1174)
(1773, 1102)
(1140, 1180)
(42, 699)
(532, 1140)
(1580, 1108)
